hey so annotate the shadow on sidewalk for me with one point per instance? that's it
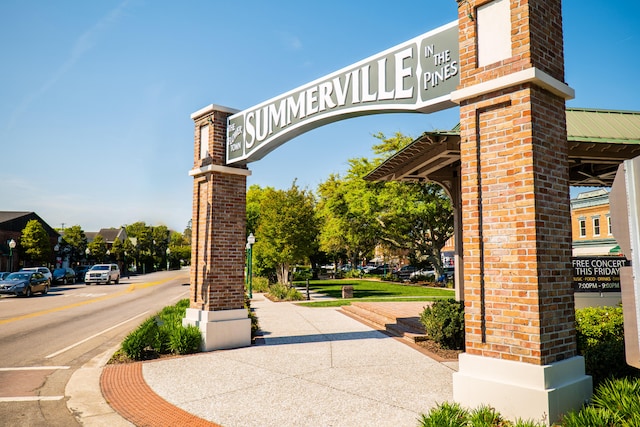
(263, 338)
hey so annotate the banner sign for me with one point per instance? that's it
(415, 76)
(597, 274)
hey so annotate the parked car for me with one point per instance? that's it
(64, 276)
(447, 275)
(81, 271)
(103, 273)
(380, 269)
(4, 274)
(44, 270)
(24, 283)
(404, 272)
(423, 274)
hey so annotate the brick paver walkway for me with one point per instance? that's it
(126, 391)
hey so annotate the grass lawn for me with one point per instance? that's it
(373, 291)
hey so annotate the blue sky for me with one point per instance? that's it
(96, 96)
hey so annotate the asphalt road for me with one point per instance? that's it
(44, 339)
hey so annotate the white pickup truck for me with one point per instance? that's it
(103, 273)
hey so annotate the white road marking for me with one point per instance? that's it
(93, 336)
(30, 398)
(34, 368)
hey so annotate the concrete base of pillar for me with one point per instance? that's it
(221, 330)
(522, 390)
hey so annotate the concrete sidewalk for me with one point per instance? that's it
(313, 367)
(316, 367)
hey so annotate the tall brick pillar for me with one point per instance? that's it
(519, 312)
(218, 237)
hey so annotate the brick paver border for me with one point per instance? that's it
(126, 391)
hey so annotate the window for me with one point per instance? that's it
(583, 227)
(609, 232)
(596, 225)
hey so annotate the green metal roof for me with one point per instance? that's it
(591, 125)
(599, 140)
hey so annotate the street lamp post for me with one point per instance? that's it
(250, 241)
(87, 252)
(168, 252)
(56, 249)
(12, 246)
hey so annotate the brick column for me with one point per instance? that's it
(218, 237)
(519, 312)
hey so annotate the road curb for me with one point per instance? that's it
(85, 399)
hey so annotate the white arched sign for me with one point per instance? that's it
(415, 76)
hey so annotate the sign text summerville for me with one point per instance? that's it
(415, 76)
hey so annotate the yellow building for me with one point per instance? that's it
(591, 224)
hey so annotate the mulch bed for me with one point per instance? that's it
(435, 348)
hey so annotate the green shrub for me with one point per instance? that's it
(163, 334)
(620, 396)
(600, 338)
(353, 274)
(134, 345)
(390, 278)
(302, 273)
(137, 343)
(282, 292)
(255, 327)
(590, 417)
(444, 323)
(616, 402)
(260, 284)
(453, 415)
(427, 277)
(446, 415)
(485, 416)
(185, 340)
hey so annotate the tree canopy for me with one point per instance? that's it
(286, 230)
(357, 215)
(35, 242)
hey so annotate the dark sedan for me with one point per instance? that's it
(24, 283)
(81, 271)
(63, 276)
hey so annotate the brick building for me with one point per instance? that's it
(11, 225)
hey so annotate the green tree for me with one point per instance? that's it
(255, 195)
(76, 239)
(159, 245)
(141, 252)
(98, 249)
(187, 232)
(117, 250)
(413, 217)
(357, 215)
(180, 248)
(35, 242)
(287, 229)
(417, 218)
(348, 210)
(128, 254)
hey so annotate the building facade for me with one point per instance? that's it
(591, 224)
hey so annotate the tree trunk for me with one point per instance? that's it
(282, 273)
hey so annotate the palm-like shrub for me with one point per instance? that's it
(163, 334)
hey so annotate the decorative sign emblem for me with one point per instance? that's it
(415, 76)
